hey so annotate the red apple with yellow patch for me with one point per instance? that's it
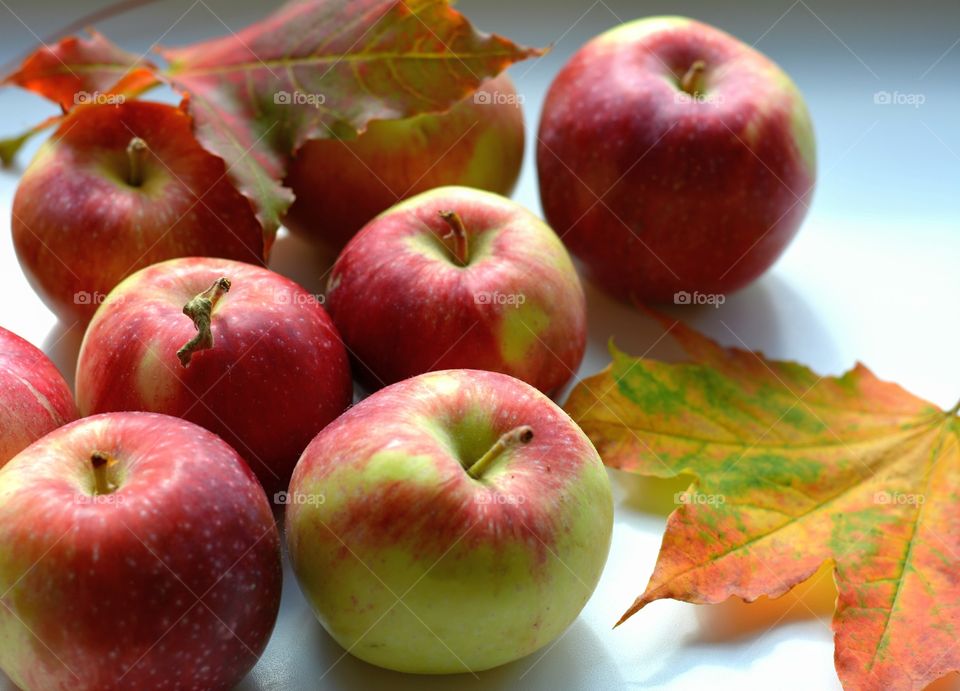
(340, 184)
(674, 158)
(459, 278)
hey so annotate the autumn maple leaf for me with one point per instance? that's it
(793, 470)
(312, 69)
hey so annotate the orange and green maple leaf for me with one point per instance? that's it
(793, 470)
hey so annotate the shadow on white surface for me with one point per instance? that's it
(324, 664)
(301, 655)
(768, 316)
(62, 346)
(722, 665)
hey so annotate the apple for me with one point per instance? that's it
(673, 158)
(34, 398)
(139, 552)
(233, 347)
(115, 189)
(451, 522)
(340, 184)
(459, 278)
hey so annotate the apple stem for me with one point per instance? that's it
(461, 248)
(518, 436)
(200, 310)
(100, 462)
(136, 155)
(692, 81)
(954, 410)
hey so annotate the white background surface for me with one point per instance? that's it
(872, 276)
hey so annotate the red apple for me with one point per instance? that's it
(115, 189)
(341, 184)
(264, 366)
(459, 278)
(451, 522)
(673, 157)
(139, 553)
(34, 398)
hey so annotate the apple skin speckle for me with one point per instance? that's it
(657, 191)
(119, 577)
(79, 227)
(493, 566)
(276, 375)
(404, 306)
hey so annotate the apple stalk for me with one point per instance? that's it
(518, 436)
(200, 311)
(101, 479)
(461, 247)
(692, 81)
(136, 156)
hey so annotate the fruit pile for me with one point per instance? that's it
(456, 518)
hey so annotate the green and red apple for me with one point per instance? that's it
(340, 184)
(452, 522)
(459, 278)
(139, 552)
(672, 157)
